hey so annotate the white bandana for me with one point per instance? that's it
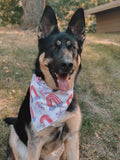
(47, 105)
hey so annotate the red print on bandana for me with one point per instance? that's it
(47, 105)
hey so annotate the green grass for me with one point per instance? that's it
(99, 97)
(98, 88)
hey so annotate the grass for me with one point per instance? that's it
(99, 97)
(98, 88)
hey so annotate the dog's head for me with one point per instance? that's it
(59, 58)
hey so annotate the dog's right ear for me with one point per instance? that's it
(77, 25)
(48, 23)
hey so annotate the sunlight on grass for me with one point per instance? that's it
(99, 97)
(98, 89)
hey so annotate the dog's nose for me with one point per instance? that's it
(66, 66)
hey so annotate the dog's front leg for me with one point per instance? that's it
(72, 147)
(72, 142)
(34, 149)
(35, 143)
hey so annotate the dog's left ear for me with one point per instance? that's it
(77, 25)
(48, 23)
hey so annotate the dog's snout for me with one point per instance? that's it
(67, 66)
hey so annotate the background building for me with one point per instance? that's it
(107, 17)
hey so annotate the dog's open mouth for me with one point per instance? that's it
(63, 81)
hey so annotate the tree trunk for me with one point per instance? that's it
(33, 10)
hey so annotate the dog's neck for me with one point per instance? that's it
(47, 105)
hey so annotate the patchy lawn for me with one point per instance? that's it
(98, 87)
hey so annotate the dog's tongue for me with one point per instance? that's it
(63, 82)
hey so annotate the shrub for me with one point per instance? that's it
(10, 12)
(91, 27)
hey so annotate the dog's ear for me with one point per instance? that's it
(48, 23)
(77, 25)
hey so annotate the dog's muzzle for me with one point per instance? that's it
(63, 72)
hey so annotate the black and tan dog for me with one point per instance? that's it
(58, 64)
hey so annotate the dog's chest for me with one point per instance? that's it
(49, 138)
(56, 132)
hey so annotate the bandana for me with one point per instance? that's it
(47, 105)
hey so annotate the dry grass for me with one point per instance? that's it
(99, 97)
(98, 88)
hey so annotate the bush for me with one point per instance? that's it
(10, 12)
(91, 27)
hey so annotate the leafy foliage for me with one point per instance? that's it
(92, 27)
(10, 12)
(67, 8)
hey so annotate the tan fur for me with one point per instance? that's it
(48, 77)
(72, 143)
(76, 67)
(18, 148)
(38, 139)
(68, 148)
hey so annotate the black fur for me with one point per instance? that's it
(23, 119)
(74, 103)
(10, 120)
(59, 134)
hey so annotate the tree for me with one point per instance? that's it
(32, 12)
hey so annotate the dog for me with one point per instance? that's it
(48, 122)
